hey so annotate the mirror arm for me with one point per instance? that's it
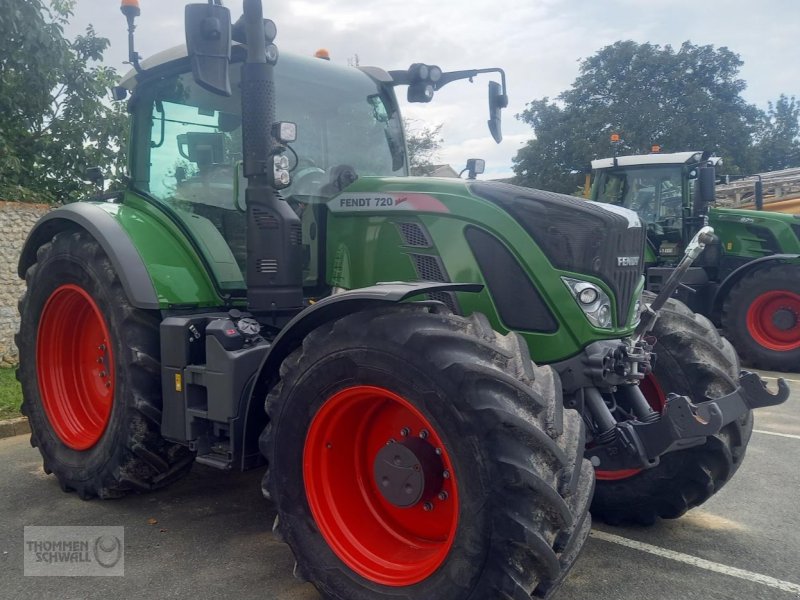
(469, 74)
(404, 78)
(399, 78)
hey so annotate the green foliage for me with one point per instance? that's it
(778, 145)
(423, 145)
(55, 117)
(685, 99)
(10, 394)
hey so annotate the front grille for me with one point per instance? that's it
(577, 235)
(622, 280)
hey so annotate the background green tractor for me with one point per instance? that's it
(748, 282)
(226, 309)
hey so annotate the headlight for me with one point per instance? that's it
(588, 295)
(637, 312)
(594, 302)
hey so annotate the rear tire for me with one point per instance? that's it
(750, 312)
(692, 360)
(515, 516)
(111, 444)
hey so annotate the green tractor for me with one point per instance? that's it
(748, 282)
(226, 309)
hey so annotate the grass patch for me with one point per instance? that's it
(10, 394)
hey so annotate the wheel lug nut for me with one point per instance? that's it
(108, 384)
(391, 441)
(405, 431)
(439, 451)
(423, 434)
(446, 474)
(102, 347)
(100, 361)
(428, 507)
(442, 496)
(103, 373)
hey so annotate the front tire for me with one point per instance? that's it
(90, 375)
(692, 360)
(508, 517)
(761, 315)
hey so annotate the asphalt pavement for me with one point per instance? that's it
(209, 536)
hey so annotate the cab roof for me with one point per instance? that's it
(130, 80)
(675, 158)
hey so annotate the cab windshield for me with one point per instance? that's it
(342, 117)
(655, 193)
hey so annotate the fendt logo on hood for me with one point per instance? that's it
(627, 261)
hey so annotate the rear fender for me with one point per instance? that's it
(731, 280)
(109, 234)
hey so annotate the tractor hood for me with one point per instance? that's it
(599, 240)
(773, 233)
(742, 215)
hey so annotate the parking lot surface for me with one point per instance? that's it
(211, 536)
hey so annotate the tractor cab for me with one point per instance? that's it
(186, 147)
(663, 189)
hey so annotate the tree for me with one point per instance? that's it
(55, 119)
(778, 145)
(423, 145)
(684, 99)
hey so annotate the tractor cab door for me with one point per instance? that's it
(187, 154)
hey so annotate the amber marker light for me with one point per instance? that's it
(130, 7)
(323, 54)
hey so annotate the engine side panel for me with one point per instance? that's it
(413, 229)
(747, 235)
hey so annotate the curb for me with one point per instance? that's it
(12, 427)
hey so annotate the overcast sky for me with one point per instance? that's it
(538, 42)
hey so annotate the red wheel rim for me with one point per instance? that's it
(380, 541)
(75, 367)
(765, 314)
(657, 399)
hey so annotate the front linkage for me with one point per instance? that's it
(607, 376)
(682, 424)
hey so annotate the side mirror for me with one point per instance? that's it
(759, 193)
(94, 175)
(497, 102)
(208, 43)
(475, 166)
(706, 181)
